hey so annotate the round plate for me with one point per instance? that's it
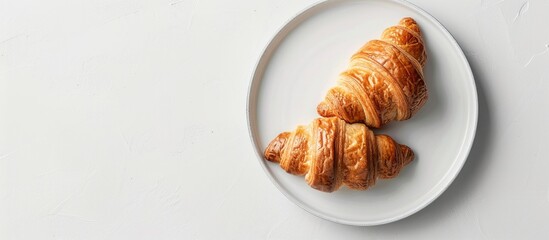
(303, 61)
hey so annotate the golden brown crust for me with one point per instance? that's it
(321, 174)
(331, 153)
(359, 151)
(350, 110)
(273, 151)
(384, 80)
(392, 156)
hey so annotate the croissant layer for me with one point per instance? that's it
(383, 81)
(330, 153)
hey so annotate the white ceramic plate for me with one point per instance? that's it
(302, 62)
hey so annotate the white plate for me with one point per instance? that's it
(302, 62)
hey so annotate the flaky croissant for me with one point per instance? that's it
(331, 152)
(384, 80)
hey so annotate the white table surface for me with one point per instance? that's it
(126, 120)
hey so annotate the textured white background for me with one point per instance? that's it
(126, 120)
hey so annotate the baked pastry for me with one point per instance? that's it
(384, 79)
(331, 153)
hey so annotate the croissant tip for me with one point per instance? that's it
(406, 19)
(323, 109)
(407, 154)
(410, 23)
(273, 151)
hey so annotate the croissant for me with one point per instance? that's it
(383, 81)
(331, 153)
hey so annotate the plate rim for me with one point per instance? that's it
(446, 180)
